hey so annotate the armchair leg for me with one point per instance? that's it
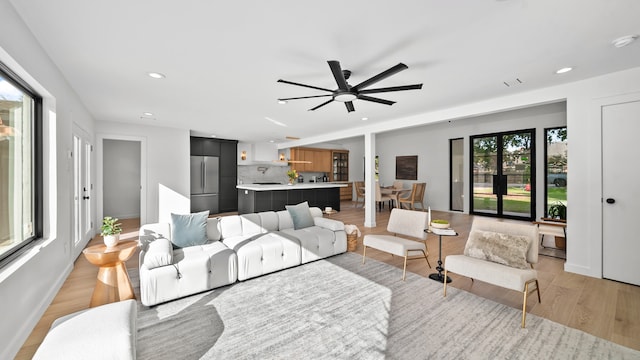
(524, 305)
(364, 253)
(404, 269)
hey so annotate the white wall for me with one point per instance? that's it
(121, 178)
(431, 144)
(28, 284)
(167, 158)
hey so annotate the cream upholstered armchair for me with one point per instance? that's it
(499, 253)
(407, 223)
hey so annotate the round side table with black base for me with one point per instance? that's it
(439, 276)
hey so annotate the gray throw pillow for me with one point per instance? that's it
(301, 215)
(189, 230)
(505, 249)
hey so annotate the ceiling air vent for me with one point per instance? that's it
(512, 83)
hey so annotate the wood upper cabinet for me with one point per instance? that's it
(320, 160)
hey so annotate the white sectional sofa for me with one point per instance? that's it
(239, 247)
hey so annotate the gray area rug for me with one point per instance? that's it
(338, 308)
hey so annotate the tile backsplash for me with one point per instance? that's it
(249, 174)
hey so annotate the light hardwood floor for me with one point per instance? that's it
(604, 308)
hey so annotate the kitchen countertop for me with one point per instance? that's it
(317, 185)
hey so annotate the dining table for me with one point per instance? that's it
(393, 191)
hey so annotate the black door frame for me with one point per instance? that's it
(500, 188)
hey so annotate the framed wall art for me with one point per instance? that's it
(407, 167)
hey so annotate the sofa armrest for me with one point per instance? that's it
(157, 253)
(329, 224)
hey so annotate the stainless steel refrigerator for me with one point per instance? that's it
(205, 181)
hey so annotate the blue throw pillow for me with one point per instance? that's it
(301, 215)
(189, 230)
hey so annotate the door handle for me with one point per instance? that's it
(611, 201)
(85, 198)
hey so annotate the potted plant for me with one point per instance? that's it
(558, 210)
(293, 175)
(110, 231)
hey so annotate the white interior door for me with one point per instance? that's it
(621, 192)
(82, 191)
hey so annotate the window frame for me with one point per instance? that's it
(546, 167)
(37, 174)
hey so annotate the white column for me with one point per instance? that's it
(369, 179)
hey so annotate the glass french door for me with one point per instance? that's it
(502, 183)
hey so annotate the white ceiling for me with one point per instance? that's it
(222, 59)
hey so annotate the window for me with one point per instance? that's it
(555, 168)
(456, 160)
(20, 159)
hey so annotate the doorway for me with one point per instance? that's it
(620, 192)
(121, 179)
(116, 170)
(81, 156)
(501, 174)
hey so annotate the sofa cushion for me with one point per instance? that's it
(505, 249)
(251, 224)
(158, 253)
(189, 230)
(104, 332)
(330, 224)
(213, 229)
(301, 215)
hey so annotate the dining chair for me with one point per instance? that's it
(398, 190)
(381, 198)
(415, 197)
(359, 186)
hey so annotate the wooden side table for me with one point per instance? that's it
(113, 283)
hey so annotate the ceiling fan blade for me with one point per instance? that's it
(305, 97)
(383, 75)
(321, 105)
(303, 85)
(338, 75)
(349, 105)
(376, 100)
(393, 88)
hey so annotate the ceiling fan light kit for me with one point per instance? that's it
(346, 93)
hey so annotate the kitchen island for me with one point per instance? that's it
(258, 197)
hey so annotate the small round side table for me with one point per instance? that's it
(113, 283)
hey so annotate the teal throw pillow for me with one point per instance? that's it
(189, 230)
(301, 215)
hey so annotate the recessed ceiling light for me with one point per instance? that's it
(147, 114)
(365, 118)
(272, 141)
(282, 102)
(624, 40)
(156, 75)
(564, 70)
(214, 135)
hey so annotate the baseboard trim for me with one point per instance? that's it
(22, 334)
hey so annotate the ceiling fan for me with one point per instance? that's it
(346, 93)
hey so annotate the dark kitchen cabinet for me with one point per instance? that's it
(225, 151)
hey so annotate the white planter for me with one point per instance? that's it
(111, 240)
